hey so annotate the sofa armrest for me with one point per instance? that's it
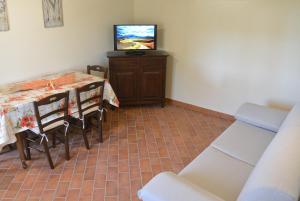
(169, 187)
(276, 176)
(260, 116)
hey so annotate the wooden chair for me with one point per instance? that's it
(50, 127)
(97, 68)
(100, 69)
(7, 148)
(89, 108)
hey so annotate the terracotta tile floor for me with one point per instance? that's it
(139, 143)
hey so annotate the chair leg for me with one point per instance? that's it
(10, 147)
(46, 148)
(54, 140)
(104, 115)
(20, 148)
(113, 108)
(86, 142)
(99, 126)
(27, 149)
(67, 147)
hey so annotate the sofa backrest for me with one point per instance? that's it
(276, 176)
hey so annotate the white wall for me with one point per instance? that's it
(29, 49)
(226, 52)
(223, 52)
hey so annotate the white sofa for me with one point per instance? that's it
(256, 159)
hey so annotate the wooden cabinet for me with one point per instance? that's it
(138, 80)
(124, 79)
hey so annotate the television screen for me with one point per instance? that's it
(135, 37)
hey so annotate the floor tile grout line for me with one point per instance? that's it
(95, 173)
(179, 132)
(73, 171)
(129, 166)
(147, 149)
(176, 147)
(142, 127)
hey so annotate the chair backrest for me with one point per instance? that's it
(60, 103)
(94, 99)
(97, 68)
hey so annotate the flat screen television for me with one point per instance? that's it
(130, 37)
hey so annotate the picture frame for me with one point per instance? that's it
(4, 25)
(53, 13)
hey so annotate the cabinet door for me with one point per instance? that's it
(123, 77)
(152, 79)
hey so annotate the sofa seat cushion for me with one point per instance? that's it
(168, 186)
(218, 173)
(244, 142)
(260, 116)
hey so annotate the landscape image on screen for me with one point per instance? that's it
(135, 37)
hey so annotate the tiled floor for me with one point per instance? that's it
(139, 143)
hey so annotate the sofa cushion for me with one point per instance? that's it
(244, 142)
(277, 174)
(218, 173)
(167, 186)
(260, 116)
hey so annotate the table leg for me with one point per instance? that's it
(20, 147)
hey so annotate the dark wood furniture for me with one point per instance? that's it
(97, 68)
(20, 148)
(88, 108)
(100, 69)
(46, 128)
(138, 79)
(7, 148)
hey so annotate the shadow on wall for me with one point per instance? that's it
(280, 105)
(160, 37)
(170, 75)
(170, 62)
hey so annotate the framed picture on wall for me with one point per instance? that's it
(3, 16)
(53, 13)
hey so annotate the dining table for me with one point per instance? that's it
(17, 108)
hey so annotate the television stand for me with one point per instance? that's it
(135, 53)
(138, 79)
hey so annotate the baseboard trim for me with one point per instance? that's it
(200, 109)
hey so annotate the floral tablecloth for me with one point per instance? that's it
(16, 100)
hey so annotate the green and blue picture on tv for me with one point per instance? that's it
(135, 37)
